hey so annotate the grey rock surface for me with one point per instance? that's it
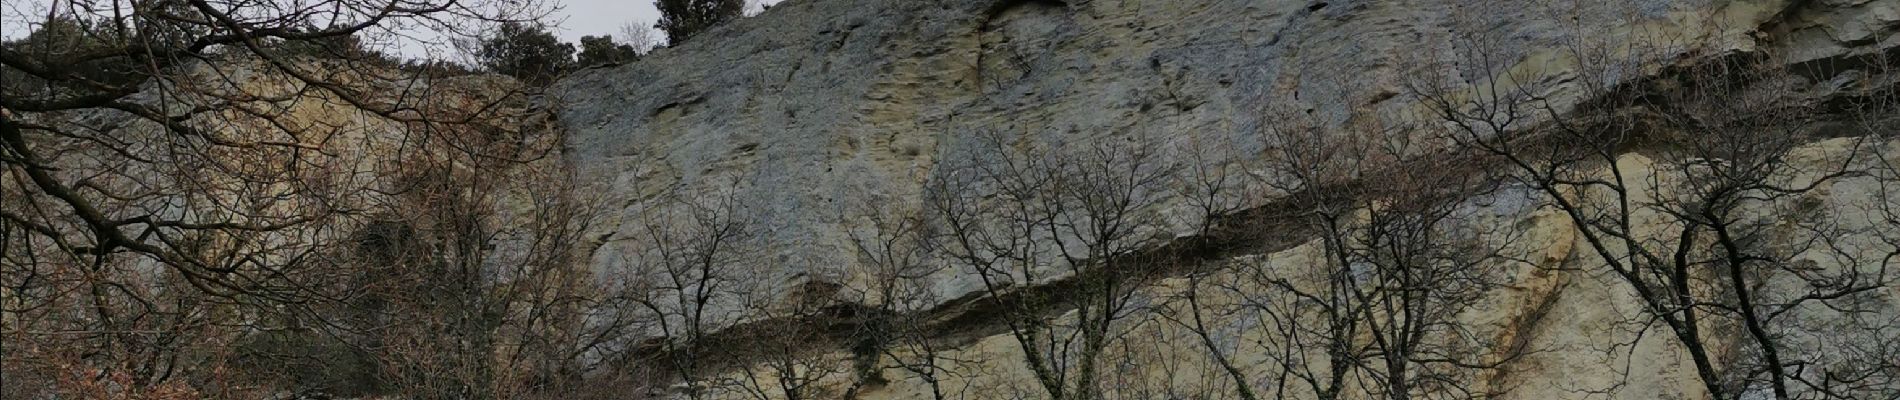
(818, 107)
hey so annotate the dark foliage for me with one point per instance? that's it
(682, 19)
(597, 50)
(527, 52)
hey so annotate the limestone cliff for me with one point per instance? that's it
(819, 107)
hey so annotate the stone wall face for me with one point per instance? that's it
(819, 110)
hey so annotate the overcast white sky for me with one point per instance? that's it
(593, 17)
(573, 18)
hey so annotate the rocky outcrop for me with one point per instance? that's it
(819, 108)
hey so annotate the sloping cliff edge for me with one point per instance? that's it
(820, 107)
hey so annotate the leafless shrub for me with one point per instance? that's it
(1698, 229)
(1026, 217)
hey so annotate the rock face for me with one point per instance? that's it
(819, 109)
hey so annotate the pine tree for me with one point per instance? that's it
(527, 52)
(597, 50)
(682, 19)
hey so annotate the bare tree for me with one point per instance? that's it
(899, 272)
(790, 345)
(1428, 255)
(473, 278)
(1319, 307)
(684, 275)
(1862, 359)
(1402, 252)
(1081, 214)
(176, 68)
(1213, 181)
(153, 150)
(641, 35)
(1689, 228)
